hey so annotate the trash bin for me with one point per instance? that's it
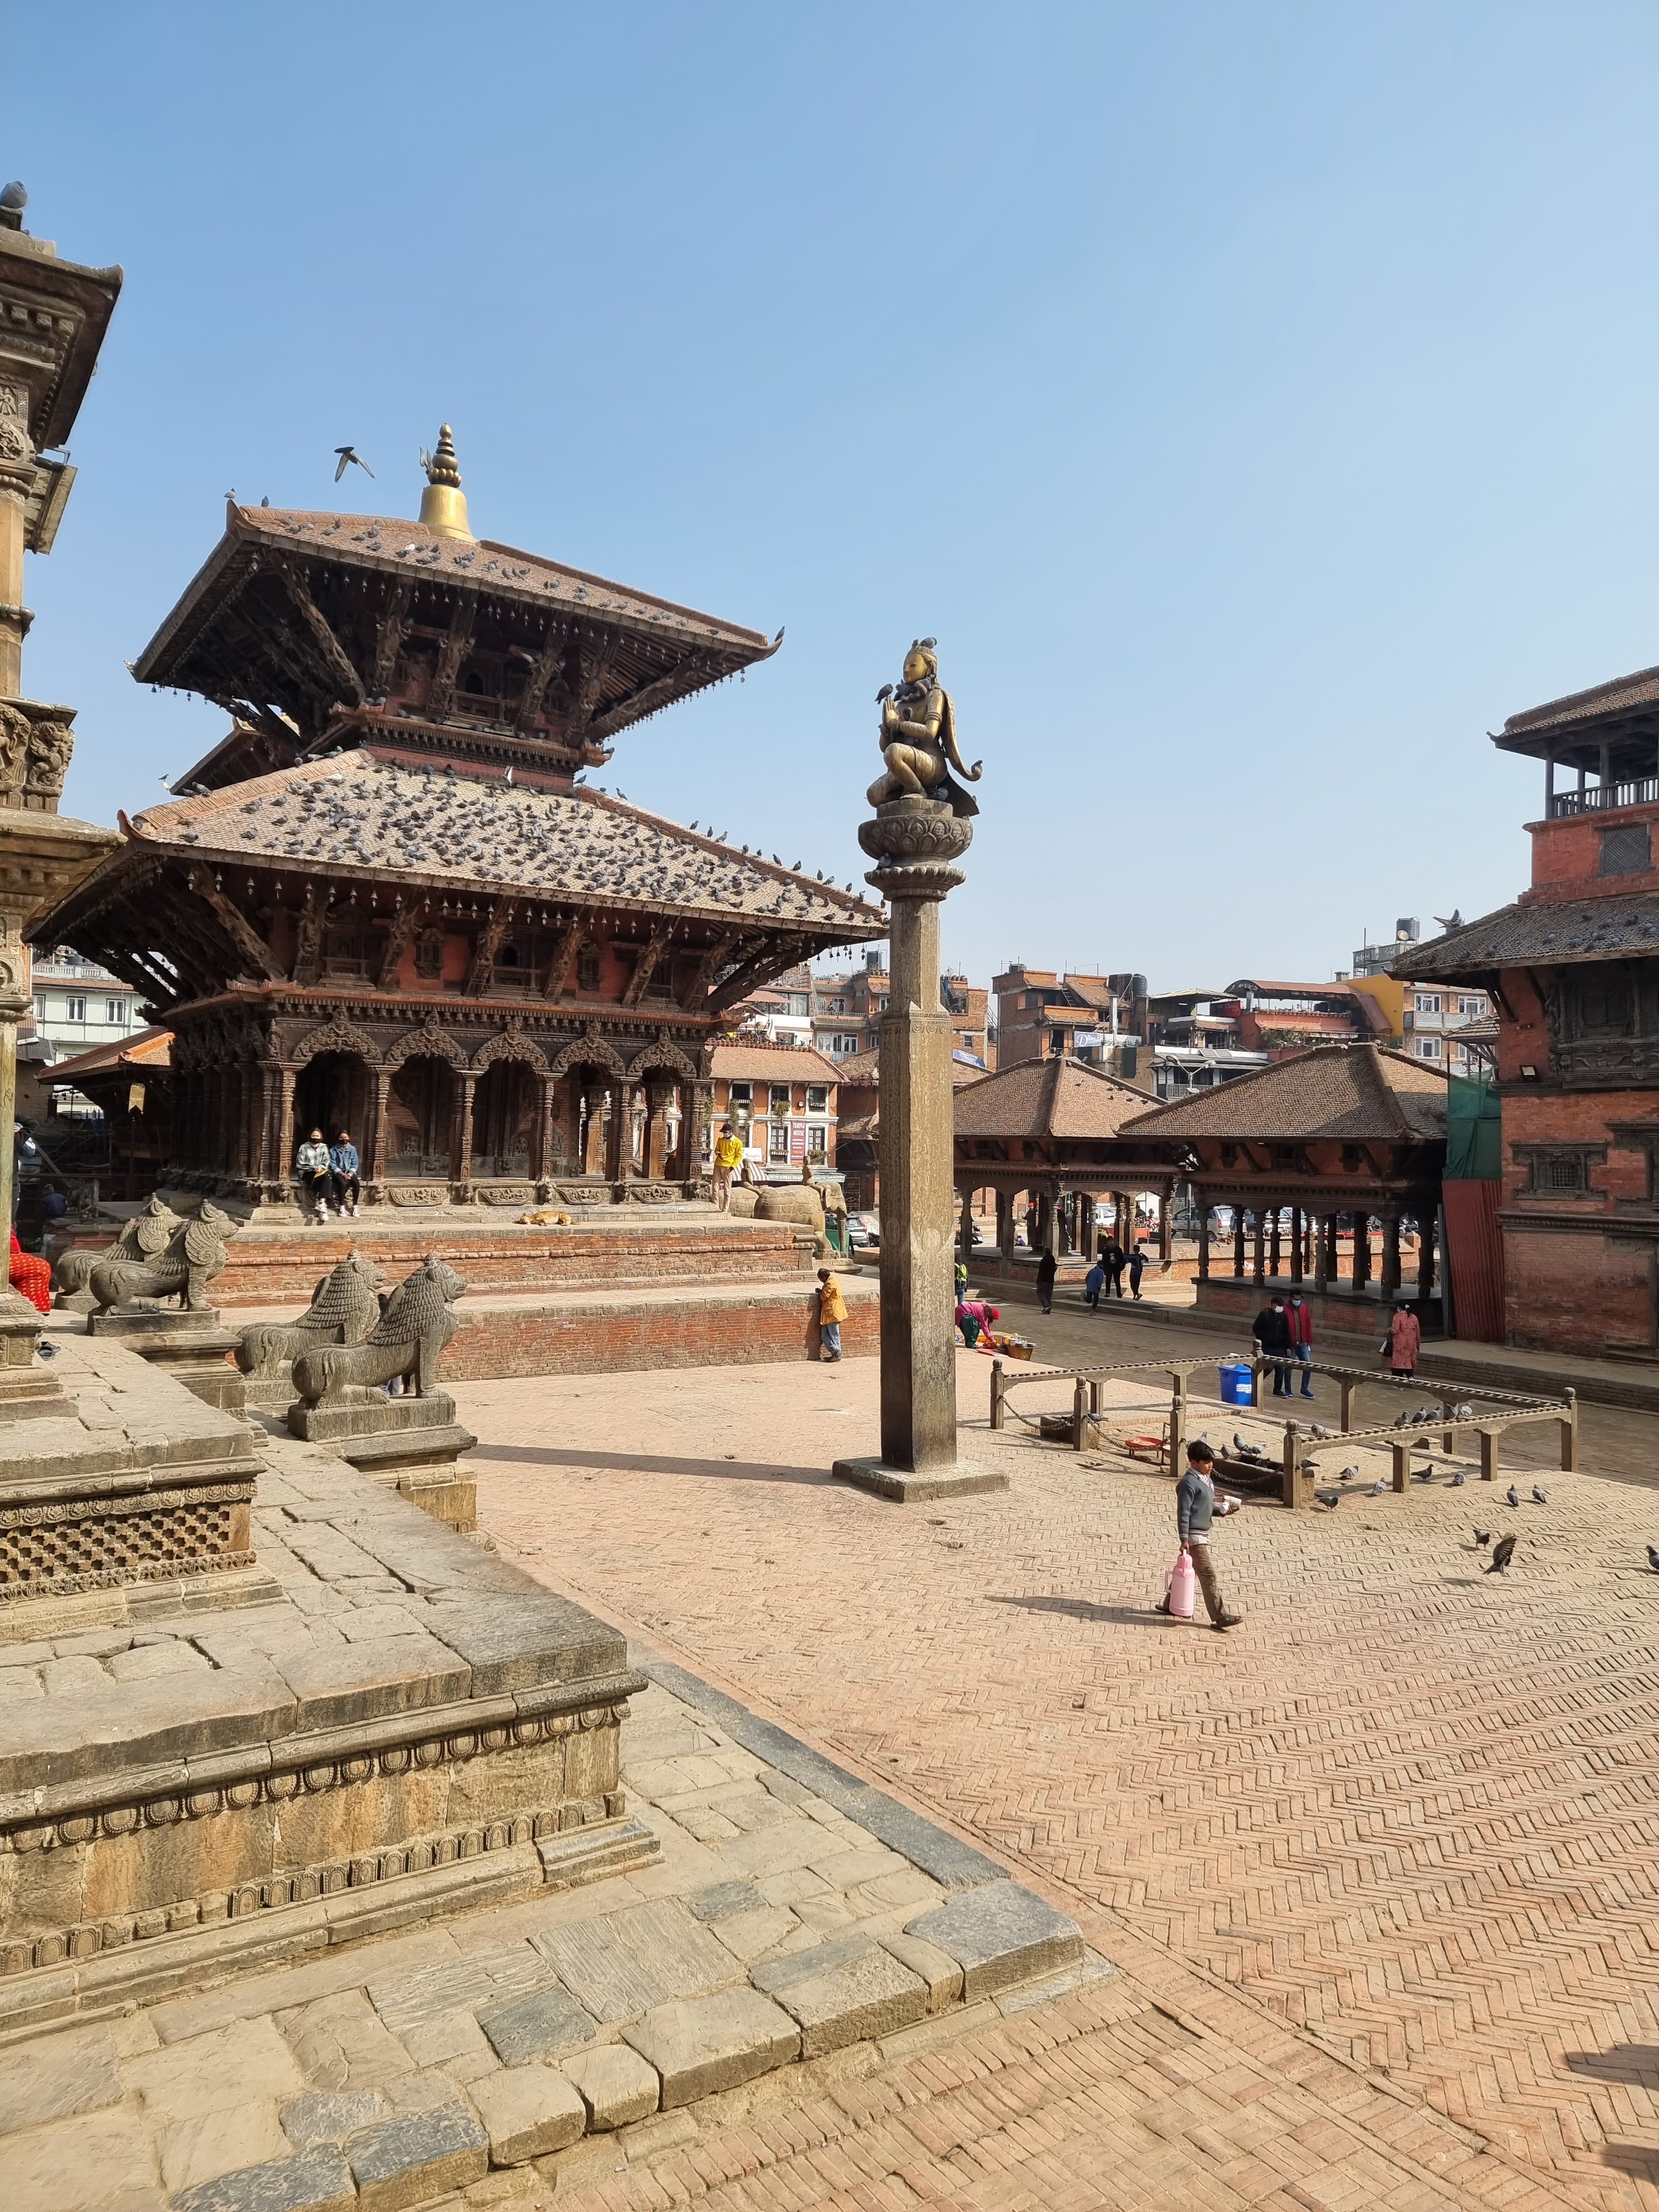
(1235, 1383)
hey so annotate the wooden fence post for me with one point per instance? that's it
(1569, 1434)
(996, 1393)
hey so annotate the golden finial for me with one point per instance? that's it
(443, 503)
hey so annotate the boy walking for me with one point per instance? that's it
(1195, 1507)
(832, 1311)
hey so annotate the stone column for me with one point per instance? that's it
(469, 1085)
(593, 1098)
(656, 1129)
(285, 1128)
(913, 842)
(377, 1135)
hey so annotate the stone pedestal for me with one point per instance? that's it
(193, 1348)
(411, 1444)
(914, 842)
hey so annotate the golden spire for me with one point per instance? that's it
(443, 503)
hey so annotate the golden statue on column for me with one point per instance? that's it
(918, 738)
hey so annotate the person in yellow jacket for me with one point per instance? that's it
(832, 1311)
(728, 1157)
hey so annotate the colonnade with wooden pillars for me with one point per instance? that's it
(1310, 1246)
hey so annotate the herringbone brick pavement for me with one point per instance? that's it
(1406, 1816)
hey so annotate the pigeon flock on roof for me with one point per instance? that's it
(356, 811)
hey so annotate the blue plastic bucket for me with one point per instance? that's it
(1235, 1383)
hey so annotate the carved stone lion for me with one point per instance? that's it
(147, 1233)
(344, 1310)
(416, 1327)
(193, 1255)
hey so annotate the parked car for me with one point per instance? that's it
(863, 1232)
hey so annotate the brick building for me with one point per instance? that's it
(1572, 971)
(1044, 1015)
(782, 1100)
(1278, 1018)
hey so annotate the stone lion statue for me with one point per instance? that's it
(149, 1232)
(405, 1342)
(344, 1310)
(193, 1255)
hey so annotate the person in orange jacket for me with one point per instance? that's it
(832, 1311)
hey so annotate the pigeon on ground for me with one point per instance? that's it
(1460, 1478)
(1244, 1450)
(1349, 1473)
(1319, 1430)
(1483, 1537)
(1512, 1495)
(1423, 1474)
(1378, 1487)
(1653, 1551)
(1503, 1553)
(1329, 1498)
(1540, 1497)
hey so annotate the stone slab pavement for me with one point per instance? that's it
(1381, 1864)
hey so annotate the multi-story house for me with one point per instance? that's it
(77, 1004)
(1043, 1015)
(781, 1101)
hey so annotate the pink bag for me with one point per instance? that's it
(1182, 1587)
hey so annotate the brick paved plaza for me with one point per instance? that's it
(1378, 1867)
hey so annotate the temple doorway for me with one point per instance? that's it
(332, 1093)
(420, 1120)
(504, 1110)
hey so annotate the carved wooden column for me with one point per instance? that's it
(965, 1231)
(1274, 1257)
(1257, 1242)
(469, 1085)
(1362, 1250)
(1425, 1228)
(377, 1134)
(619, 1151)
(1325, 1252)
(1238, 1242)
(1203, 1243)
(1086, 1224)
(1005, 1225)
(1165, 1225)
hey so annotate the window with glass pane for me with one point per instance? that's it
(817, 1141)
(777, 1147)
(817, 1098)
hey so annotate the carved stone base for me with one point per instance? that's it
(192, 1347)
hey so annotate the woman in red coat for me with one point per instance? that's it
(1405, 1335)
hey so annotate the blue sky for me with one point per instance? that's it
(1256, 402)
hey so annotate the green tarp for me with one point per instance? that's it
(1474, 1151)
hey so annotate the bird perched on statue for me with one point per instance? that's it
(1512, 1496)
(1503, 1553)
(1539, 1496)
(349, 454)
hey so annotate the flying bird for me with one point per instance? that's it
(1539, 1496)
(1503, 1553)
(348, 455)
(1513, 1495)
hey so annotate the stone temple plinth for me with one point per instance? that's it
(915, 842)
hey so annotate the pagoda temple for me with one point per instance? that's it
(385, 902)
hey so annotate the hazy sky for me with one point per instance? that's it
(1256, 402)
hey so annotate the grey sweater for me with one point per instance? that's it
(1194, 1504)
